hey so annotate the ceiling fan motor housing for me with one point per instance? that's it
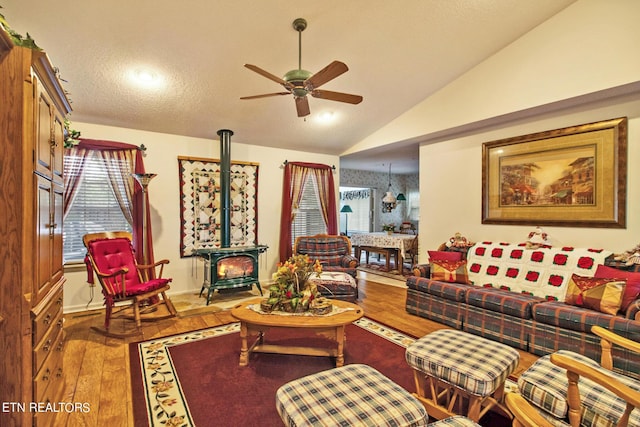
(297, 79)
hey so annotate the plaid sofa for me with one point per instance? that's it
(333, 252)
(523, 321)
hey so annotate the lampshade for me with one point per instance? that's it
(401, 197)
(389, 197)
(346, 209)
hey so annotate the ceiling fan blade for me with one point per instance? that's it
(265, 95)
(266, 74)
(302, 105)
(337, 96)
(329, 72)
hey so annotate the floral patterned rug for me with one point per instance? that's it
(160, 388)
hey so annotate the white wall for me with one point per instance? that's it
(578, 67)
(164, 197)
(454, 199)
(588, 47)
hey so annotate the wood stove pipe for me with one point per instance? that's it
(225, 187)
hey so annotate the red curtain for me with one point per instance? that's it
(295, 176)
(112, 150)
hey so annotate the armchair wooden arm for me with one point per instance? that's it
(608, 339)
(575, 369)
(151, 267)
(109, 281)
(524, 413)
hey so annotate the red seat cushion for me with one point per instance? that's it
(151, 285)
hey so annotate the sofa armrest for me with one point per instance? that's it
(421, 270)
(349, 261)
(633, 311)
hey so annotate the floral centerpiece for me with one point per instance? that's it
(389, 228)
(292, 291)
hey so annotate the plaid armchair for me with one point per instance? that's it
(333, 252)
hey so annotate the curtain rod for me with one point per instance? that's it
(333, 167)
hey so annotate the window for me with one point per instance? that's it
(308, 220)
(360, 200)
(94, 207)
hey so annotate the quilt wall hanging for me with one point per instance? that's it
(200, 204)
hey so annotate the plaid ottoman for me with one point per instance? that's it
(457, 371)
(455, 421)
(346, 396)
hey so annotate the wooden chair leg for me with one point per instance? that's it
(169, 304)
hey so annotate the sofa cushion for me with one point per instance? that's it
(631, 291)
(449, 271)
(545, 385)
(500, 301)
(449, 291)
(582, 319)
(603, 295)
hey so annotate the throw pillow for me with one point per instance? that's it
(444, 256)
(449, 271)
(631, 291)
(604, 295)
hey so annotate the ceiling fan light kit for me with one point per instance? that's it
(301, 83)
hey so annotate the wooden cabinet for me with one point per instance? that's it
(32, 115)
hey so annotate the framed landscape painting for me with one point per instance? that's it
(574, 177)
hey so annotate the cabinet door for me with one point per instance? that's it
(45, 141)
(57, 262)
(57, 151)
(44, 237)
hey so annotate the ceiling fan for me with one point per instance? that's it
(301, 82)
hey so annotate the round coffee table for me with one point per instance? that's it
(329, 326)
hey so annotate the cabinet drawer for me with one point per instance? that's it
(50, 343)
(51, 370)
(45, 319)
(52, 396)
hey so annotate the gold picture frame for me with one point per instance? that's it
(571, 177)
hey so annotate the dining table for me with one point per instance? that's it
(400, 243)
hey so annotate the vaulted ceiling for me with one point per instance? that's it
(398, 53)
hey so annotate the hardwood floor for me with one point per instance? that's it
(97, 367)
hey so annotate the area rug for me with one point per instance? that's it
(191, 303)
(194, 379)
(380, 269)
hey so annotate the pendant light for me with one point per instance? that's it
(389, 200)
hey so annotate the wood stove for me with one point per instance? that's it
(228, 267)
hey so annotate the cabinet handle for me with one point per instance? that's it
(47, 346)
(47, 319)
(45, 377)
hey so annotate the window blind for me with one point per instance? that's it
(94, 208)
(308, 220)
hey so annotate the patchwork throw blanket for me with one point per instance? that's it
(543, 272)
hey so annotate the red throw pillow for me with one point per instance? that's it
(631, 291)
(450, 271)
(444, 256)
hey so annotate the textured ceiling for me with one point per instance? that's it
(398, 54)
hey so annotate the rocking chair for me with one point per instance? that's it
(110, 255)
